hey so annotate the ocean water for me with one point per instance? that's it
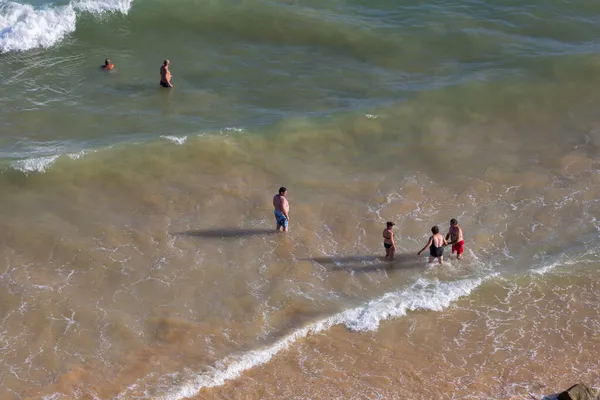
(137, 252)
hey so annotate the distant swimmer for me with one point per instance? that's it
(282, 209)
(107, 65)
(436, 245)
(165, 75)
(455, 234)
(388, 241)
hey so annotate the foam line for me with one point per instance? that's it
(423, 294)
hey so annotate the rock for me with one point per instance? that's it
(578, 392)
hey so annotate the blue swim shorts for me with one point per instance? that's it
(281, 219)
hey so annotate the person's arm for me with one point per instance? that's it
(426, 246)
(445, 242)
(393, 241)
(285, 205)
(451, 242)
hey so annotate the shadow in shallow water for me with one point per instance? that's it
(367, 263)
(226, 233)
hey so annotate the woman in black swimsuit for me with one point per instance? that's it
(388, 241)
(436, 245)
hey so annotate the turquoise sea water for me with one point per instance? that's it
(135, 221)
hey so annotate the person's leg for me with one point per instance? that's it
(431, 258)
(441, 259)
(284, 224)
(392, 252)
(387, 253)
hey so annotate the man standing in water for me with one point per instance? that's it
(455, 234)
(436, 245)
(388, 241)
(165, 75)
(282, 208)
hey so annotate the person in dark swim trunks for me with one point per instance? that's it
(165, 75)
(388, 241)
(436, 245)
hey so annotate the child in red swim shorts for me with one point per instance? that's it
(455, 234)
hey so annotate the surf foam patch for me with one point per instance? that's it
(423, 295)
(24, 27)
(36, 164)
(175, 139)
(103, 6)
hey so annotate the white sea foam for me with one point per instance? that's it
(37, 164)
(423, 294)
(175, 139)
(41, 164)
(78, 155)
(24, 27)
(587, 256)
(102, 6)
(233, 129)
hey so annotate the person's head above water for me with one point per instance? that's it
(453, 222)
(282, 190)
(389, 224)
(435, 230)
(166, 63)
(108, 65)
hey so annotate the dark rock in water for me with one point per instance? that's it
(578, 392)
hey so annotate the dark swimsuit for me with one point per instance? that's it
(164, 84)
(435, 251)
(387, 245)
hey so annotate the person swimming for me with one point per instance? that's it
(436, 245)
(107, 66)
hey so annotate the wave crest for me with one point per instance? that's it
(422, 295)
(24, 27)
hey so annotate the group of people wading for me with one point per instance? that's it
(436, 242)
